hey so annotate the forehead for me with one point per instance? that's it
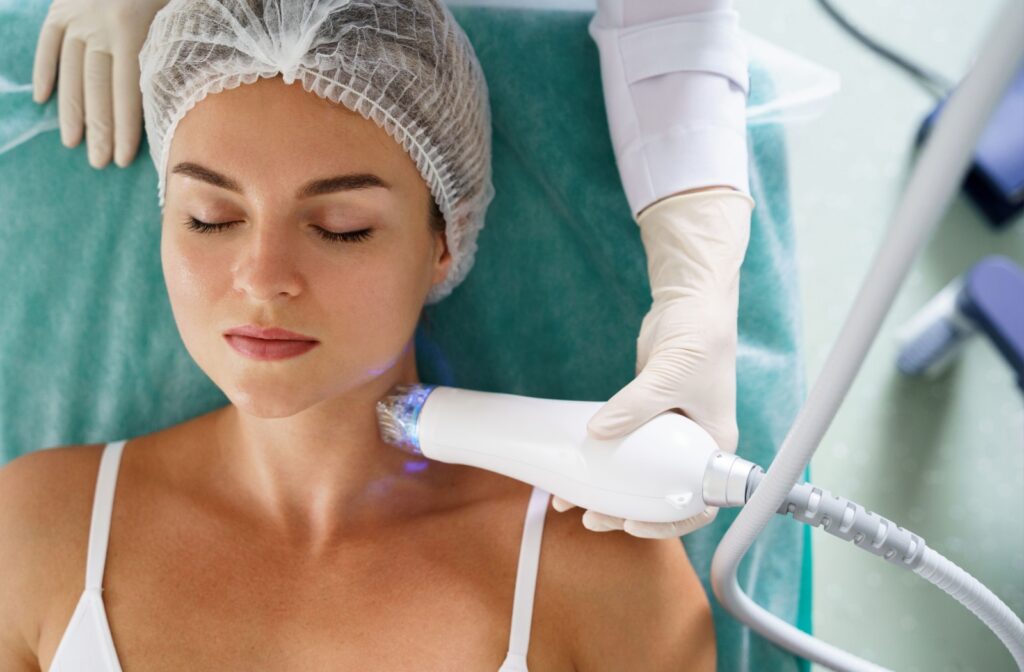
(270, 126)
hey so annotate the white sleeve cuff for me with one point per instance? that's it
(690, 132)
(675, 93)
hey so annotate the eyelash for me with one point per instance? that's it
(335, 237)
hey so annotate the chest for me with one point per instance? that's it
(182, 594)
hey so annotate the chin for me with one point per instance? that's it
(269, 398)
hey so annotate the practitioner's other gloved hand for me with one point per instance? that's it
(686, 352)
(95, 44)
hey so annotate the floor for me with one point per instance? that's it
(944, 458)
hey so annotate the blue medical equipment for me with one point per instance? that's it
(987, 300)
(995, 181)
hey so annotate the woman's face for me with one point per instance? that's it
(264, 144)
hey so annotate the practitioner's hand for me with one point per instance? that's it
(95, 44)
(674, 75)
(686, 352)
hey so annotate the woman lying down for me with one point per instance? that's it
(324, 169)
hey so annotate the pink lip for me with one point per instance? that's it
(267, 333)
(268, 349)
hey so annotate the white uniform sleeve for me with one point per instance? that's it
(675, 83)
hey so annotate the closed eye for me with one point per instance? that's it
(333, 236)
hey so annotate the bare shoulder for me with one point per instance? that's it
(45, 506)
(39, 489)
(635, 604)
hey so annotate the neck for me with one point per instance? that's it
(324, 474)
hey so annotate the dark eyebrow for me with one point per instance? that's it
(314, 188)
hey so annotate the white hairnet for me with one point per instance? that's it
(406, 65)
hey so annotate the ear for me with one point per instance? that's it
(442, 256)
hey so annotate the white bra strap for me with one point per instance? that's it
(526, 575)
(102, 506)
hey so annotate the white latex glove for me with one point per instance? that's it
(686, 352)
(95, 44)
(674, 75)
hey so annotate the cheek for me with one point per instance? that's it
(373, 304)
(192, 277)
(182, 271)
(374, 293)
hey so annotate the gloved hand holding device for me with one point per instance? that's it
(95, 45)
(675, 79)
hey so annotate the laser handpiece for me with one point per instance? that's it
(668, 469)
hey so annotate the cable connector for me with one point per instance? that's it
(849, 521)
(725, 480)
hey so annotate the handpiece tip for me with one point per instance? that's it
(398, 416)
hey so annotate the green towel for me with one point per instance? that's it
(89, 351)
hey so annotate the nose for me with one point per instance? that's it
(267, 267)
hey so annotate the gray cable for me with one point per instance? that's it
(849, 521)
(878, 535)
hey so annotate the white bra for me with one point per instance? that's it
(88, 646)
